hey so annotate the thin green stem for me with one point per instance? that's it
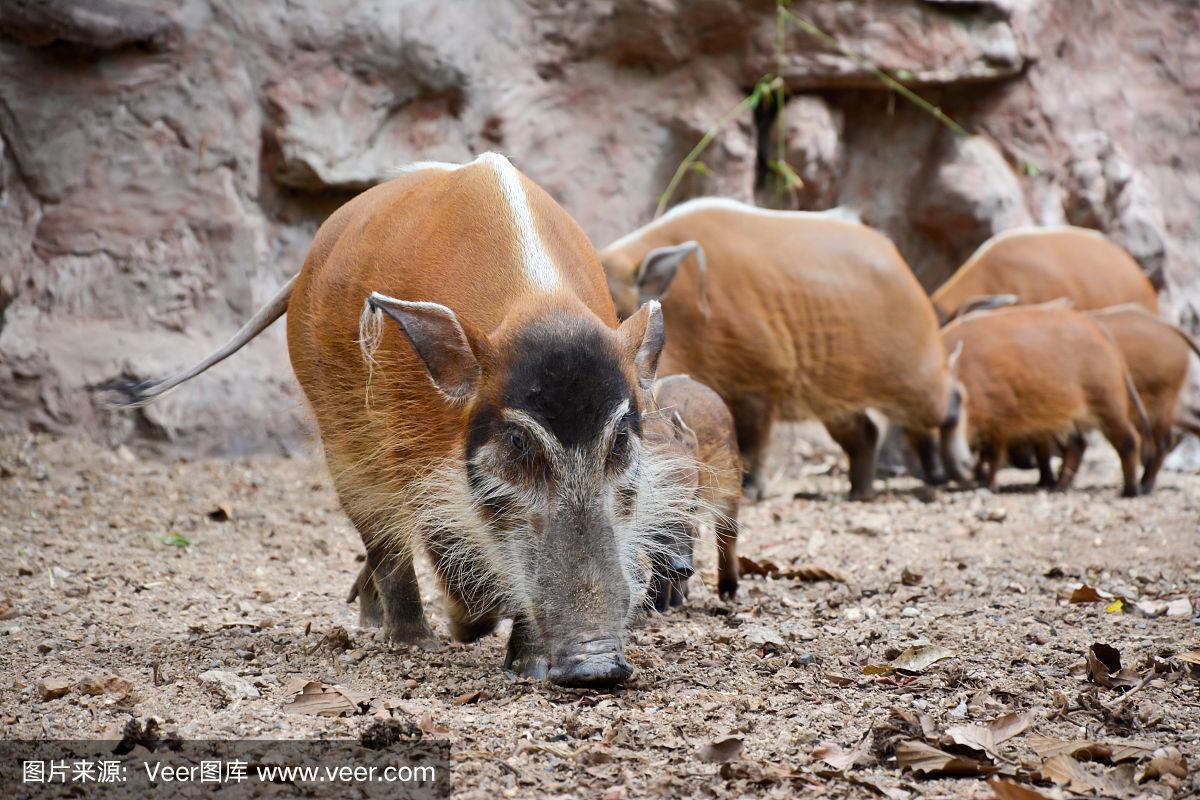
(893, 84)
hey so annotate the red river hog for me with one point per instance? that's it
(1037, 265)
(687, 415)
(1028, 374)
(787, 316)
(475, 395)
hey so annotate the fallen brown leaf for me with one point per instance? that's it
(1090, 594)
(919, 659)
(1007, 790)
(1068, 772)
(1190, 657)
(720, 751)
(842, 758)
(803, 572)
(927, 759)
(222, 513)
(1104, 667)
(322, 700)
(812, 572)
(1048, 747)
(1166, 761)
(989, 735)
(750, 566)
(467, 698)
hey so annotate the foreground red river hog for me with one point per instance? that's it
(1028, 374)
(685, 415)
(452, 332)
(788, 316)
(1037, 265)
(1157, 354)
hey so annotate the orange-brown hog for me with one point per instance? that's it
(1157, 354)
(1037, 265)
(687, 416)
(791, 315)
(1029, 374)
(475, 395)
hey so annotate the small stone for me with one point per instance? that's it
(804, 659)
(52, 689)
(910, 612)
(229, 685)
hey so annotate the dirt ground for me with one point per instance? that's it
(121, 584)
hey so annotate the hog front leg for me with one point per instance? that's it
(526, 654)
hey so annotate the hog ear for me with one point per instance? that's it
(682, 431)
(660, 266)
(953, 358)
(987, 302)
(644, 336)
(441, 341)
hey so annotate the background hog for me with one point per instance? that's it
(687, 415)
(790, 315)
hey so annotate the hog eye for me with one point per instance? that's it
(518, 441)
(620, 445)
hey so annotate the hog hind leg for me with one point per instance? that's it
(858, 435)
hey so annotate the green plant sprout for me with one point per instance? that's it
(772, 87)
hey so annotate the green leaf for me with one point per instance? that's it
(785, 171)
(1031, 169)
(904, 75)
(177, 539)
(700, 168)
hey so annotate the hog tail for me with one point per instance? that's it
(370, 335)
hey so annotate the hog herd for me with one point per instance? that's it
(551, 426)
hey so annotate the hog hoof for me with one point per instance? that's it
(1129, 491)
(412, 635)
(533, 666)
(727, 588)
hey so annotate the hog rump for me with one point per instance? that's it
(790, 316)
(1038, 265)
(474, 393)
(1031, 374)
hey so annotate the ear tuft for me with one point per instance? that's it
(644, 335)
(439, 339)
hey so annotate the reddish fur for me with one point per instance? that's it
(1038, 265)
(1158, 354)
(436, 236)
(810, 317)
(1032, 373)
(714, 448)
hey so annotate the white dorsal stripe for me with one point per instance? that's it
(847, 213)
(538, 267)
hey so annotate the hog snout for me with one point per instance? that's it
(598, 662)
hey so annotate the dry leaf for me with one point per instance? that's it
(1090, 594)
(927, 759)
(1048, 747)
(1104, 667)
(467, 698)
(1190, 657)
(910, 578)
(989, 735)
(1166, 761)
(841, 758)
(322, 700)
(919, 659)
(721, 750)
(750, 566)
(1068, 772)
(803, 572)
(1007, 790)
(1131, 751)
(812, 572)
(222, 513)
